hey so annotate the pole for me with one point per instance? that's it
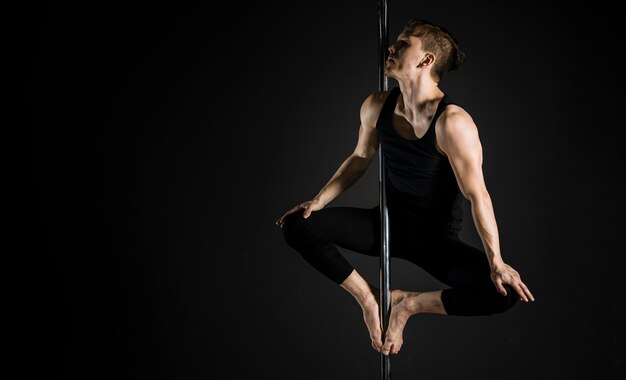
(385, 299)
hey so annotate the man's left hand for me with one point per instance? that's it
(505, 274)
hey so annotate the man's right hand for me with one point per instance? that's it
(308, 206)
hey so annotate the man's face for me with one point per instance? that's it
(405, 54)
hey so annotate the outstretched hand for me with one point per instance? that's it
(308, 206)
(505, 274)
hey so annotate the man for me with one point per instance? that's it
(433, 158)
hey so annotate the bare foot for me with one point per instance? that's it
(402, 307)
(372, 320)
(371, 315)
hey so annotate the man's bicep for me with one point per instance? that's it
(367, 144)
(462, 145)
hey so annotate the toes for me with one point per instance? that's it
(377, 342)
(391, 346)
(386, 348)
(395, 349)
(377, 338)
(376, 346)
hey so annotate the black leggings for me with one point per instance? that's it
(439, 252)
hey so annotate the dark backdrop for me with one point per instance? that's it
(170, 137)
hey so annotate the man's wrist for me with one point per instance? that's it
(496, 263)
(320, 200)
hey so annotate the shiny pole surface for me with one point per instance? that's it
(385, 299)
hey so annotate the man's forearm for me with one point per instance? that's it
(348, 173)
(486, 226)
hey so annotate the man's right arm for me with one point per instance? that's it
(357, 163)
(354, 166)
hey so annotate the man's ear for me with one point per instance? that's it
(428, 59)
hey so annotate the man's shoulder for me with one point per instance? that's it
(374, 101)
(454, 128)
(454, 114)
(372, 105)
(377, 98)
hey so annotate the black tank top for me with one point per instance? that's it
(419, 179)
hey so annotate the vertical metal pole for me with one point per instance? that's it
(385, 298)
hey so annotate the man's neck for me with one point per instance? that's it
(418, 97)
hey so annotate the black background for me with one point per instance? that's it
(170, 137)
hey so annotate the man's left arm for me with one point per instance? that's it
(458, 138)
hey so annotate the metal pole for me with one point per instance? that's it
(385, 299)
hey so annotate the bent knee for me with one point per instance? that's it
(294, 229)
